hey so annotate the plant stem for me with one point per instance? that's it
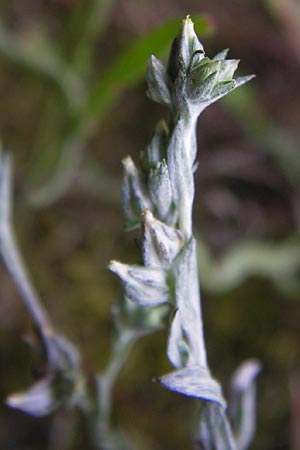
(103, 434)
(13, 260)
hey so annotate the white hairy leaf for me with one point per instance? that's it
(201, 71)
(189, 326)
(61, 353)
(184, 47)
(194, 381)
(158, 81)
(5, 190)
(239, 81)
(221, 55)
(160, 190)
(135, 197)
(180, 166)
(156, 149)
(243, 402)
(147, 287)
(38, 400)
(161, 242)
(215, 431)
(227, 69)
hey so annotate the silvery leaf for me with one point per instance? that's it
(147, 287)
(61, 354)
(212, 80)
(224, 88)
(181, 152)
(189, 42)
(12, 258)
(243, 402)
(142, 321)
(221, 55)
(160, 190)
(194, 382)
(5, 190)
(208, 85)
(185, 45)
(215, 431)
(227, 69)
(177, 347)
(188, 327)
(156, 150)
(202, 93)
(245, 375)
(38, 401)
(159, 83)
(239, 81)
(204, 70)
(161, 242)
(135, 198)
(221, 89)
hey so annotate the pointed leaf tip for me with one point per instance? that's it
(38, 400)
(145, 286)
(159, 83)
(161, 242)
(194, 381)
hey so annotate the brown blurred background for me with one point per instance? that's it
(69, 225)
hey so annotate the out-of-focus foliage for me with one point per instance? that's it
(247, 195)
(86, 96)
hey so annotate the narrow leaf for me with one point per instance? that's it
(161, 243)
(156, 150)
(202, 93)
(184, 46)
(188, 42)
(160, 190)
(11, 256)
(38, 401)
(242, 80)
(243, 402)
(245, 375)
(147, 287)
(194, 382)
(221, 89)
(221, 55)
(135, 198)
(159, 84)
(228, 68)
(187, 301)
(5, 190)
(215, 430)
(177, 347)
(202, 71)
(61, 354)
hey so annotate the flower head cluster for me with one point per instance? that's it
(191, 79)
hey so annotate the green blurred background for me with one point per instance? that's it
(73, 104)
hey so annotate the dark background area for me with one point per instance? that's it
(247, 213)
